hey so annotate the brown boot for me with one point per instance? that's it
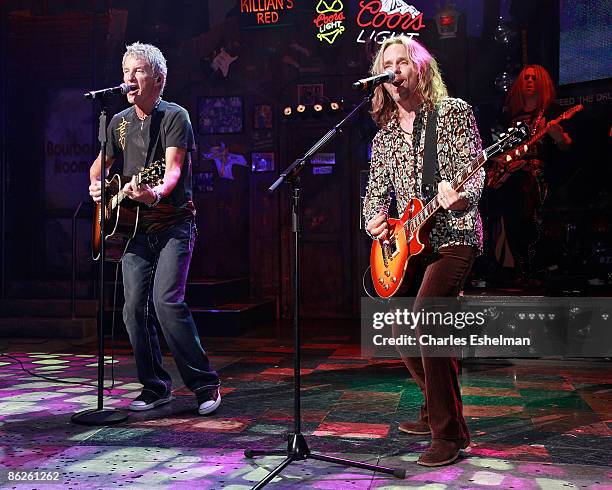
(419, 428)
(442, 452)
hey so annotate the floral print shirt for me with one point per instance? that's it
(393, 168)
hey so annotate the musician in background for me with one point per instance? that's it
(401, 110)
(156, 262)
(517, 196)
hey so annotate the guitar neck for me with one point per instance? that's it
(433, 205)
(116, 201)
(542, 131)
(120, 196)
(566, 115)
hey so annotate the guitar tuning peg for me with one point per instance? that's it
(502, 135)
(508, 158)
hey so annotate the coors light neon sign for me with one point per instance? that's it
(382, 19)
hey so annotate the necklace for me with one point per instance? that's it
(144, 118)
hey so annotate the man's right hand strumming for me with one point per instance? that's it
(95, 191)
(378, 227)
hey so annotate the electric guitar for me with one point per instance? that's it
(505, 165)
(120, 221)
(409, 236)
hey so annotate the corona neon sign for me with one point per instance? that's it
(330, 20)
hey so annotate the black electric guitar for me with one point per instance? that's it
(120, 221)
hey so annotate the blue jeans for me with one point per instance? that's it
(155, 268)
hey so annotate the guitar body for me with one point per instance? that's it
(120, 224)
(391, 261)
(121, 220)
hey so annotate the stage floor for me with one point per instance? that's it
(535, 424)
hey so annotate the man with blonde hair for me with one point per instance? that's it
(156, 262)
(403, 109)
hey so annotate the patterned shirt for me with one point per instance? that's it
(393, 168)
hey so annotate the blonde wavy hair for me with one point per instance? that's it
(430, 85)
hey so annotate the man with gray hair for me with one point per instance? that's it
(156, 262)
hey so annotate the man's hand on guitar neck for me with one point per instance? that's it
(141, 193)
(449, 198)
(560, 137)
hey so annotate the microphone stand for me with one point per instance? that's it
(101, 415)
(297, 447)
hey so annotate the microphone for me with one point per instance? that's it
(124, 88)
(374, 81)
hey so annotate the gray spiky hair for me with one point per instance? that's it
(152, 55)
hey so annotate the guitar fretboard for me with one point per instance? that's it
(433, 205)
(566, 115)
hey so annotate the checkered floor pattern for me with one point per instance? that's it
(537, 424)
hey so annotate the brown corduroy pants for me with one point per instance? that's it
(437, 377)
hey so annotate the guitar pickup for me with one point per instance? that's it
(392, 249)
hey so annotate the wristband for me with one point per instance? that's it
(158, 197)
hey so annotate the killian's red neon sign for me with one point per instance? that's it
(391, 15)
(266, 11)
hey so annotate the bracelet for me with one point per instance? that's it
(158, 197)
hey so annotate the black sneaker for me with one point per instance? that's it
(148, 400)
(208, 400)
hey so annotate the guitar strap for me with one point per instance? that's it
(429, 187)
(156, 130)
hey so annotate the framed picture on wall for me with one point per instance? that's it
(309, 94)
(262, 116)
(262, 162)
(220, 115)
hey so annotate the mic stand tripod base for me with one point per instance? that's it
(297, 450)
(96, 416)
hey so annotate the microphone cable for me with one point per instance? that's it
(80, 383)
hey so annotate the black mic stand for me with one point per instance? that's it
(297, 447)
(101, 415)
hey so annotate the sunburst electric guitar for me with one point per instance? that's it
(120, 221)
(409, 235)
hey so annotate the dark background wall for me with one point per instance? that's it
(50, 46)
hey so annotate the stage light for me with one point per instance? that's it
(334, 106)
(317, 107)
(287, 111)
(300, 108)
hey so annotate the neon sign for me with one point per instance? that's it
(382, 19)
(266, 11)
(329, 22)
